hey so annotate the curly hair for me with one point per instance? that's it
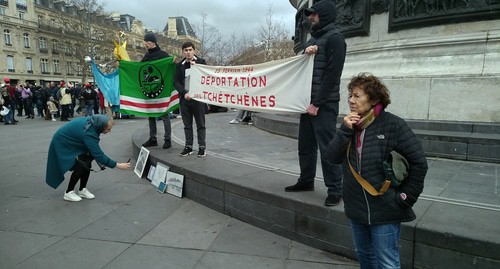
(372, 86)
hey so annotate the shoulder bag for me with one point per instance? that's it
(395, 170)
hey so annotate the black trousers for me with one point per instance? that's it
(316, 132)
(66, 110)
(189, 110)
(81, 172)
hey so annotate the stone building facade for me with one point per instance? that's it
(42, 39)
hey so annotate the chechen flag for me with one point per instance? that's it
(147, 88)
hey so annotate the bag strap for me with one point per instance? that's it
(365, 184)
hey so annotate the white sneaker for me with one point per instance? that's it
(234, 121)
(86, 194)
(72, 197)
(54, 120)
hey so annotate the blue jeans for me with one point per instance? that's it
(377, 246)
(89, 109)
(9, 118)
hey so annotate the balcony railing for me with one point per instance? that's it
(50, 28)
(29, 71)
(4, 3)
(11, 70)
(44, 50)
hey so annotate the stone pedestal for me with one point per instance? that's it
(446, 72)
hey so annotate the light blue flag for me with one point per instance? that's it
(109, 84)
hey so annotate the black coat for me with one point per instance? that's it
(180, 74)
(6, 98)
(154, 54)
(330, 57)
(386, 133)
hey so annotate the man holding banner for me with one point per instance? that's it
(189, 107)
(318, 126)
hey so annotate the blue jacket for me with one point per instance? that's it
(68, 142)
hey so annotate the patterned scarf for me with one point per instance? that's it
(362, 124)
(369, 118)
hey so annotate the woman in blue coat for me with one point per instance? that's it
(73, 147)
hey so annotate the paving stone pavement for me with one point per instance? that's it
(129, 224)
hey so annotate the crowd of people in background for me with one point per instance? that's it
(49, 101)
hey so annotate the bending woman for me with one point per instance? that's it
(73, 147)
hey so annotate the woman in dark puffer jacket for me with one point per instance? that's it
(371, 133)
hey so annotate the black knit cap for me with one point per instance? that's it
(150, 37)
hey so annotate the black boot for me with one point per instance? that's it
(299, 186)
(150, 143)
(167, 144)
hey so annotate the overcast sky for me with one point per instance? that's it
(241, 16)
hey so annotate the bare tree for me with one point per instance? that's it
(233, 46)
(272, 42)
(88, 28)
(273, 37)
(208, 35)
(220, 53)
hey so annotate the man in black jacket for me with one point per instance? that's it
(317, 126)
(190, 108)
(155, 53)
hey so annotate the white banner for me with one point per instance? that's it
(282, 86)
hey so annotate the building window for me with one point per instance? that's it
(68, 49)
(96, 53)
(10, 63)
(79, 69)
(21, 15)
(69, 68)
(29, 65)
(44, 66)
(2, 10)
(6, 37)
(43, 43)
(26, 40)
(21, 5)
(55, 47)
(57, 69)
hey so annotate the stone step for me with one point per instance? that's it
(470, 141)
